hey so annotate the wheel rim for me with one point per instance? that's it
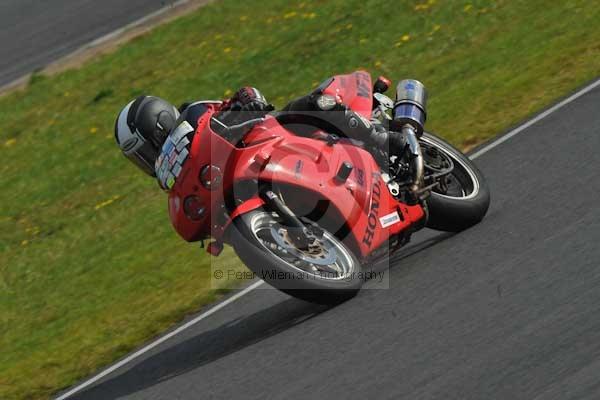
(329, 259)
(464, 183)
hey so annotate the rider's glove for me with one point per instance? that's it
(246, 104)
(250, 100)
(248, 95)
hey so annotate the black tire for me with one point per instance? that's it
(456, 213)
(268, 266)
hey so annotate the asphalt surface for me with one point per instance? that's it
(34, 33)
(509, 309)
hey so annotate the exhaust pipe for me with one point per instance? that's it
(409, 115)
(416, 157)
(410, 106)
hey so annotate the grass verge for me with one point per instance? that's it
(89, 266)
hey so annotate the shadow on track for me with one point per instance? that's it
(432, 238)
(230, 337)
(204, 348)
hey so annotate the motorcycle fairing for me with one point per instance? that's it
(363, 201)
(355, 90)
(275, 156)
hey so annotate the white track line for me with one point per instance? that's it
(118, 32)
(158, 341)
(99, 41)
(536, 119)
(250, 288)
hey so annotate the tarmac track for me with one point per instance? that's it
(509, 309)
(506, 310)
(35, 33)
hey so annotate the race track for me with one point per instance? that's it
(34, 33)
(506, 310)
(509, 309)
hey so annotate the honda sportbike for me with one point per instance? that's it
(309, 212)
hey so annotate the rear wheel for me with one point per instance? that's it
(463, 197)
(326, 272)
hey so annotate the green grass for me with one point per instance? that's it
(89, 265)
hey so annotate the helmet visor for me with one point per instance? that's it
(144, 158)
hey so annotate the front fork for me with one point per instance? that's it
(299, 234)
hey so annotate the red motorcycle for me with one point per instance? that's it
(308, 213)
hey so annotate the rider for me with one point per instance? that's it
(144, 124)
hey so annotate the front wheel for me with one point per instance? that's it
(327, 272)
(463, 197)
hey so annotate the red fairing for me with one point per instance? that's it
(355, 90)
(362, 206)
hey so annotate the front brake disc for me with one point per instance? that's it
(327, 256)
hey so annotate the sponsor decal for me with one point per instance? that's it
(362, 83)
(389, 220)
(170, 182)
(360, 176)
(182, 156)
(180, 132)
(172, 157)
(182, 143)
(298, 169)
(373, 212)
(174, 154)
(176, 169)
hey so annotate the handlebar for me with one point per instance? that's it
(234, 133)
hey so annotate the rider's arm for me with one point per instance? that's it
(337, 118)
(247, 104)
(308, 117)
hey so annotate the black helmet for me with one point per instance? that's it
(141, 129)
